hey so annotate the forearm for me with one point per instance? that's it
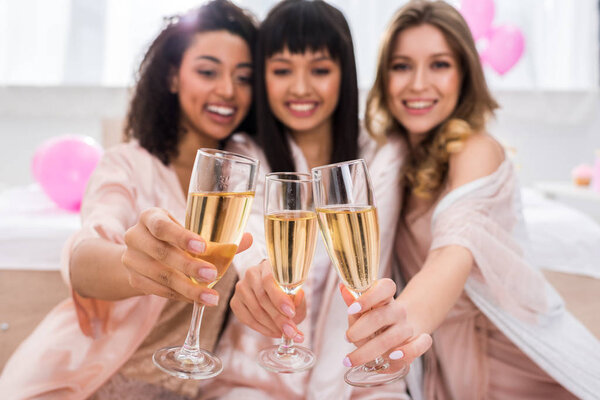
(96, 271)
(433, 291)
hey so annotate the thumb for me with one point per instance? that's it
(347, 295)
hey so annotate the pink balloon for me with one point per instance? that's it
(479, 15)
(505, 47)
(63, 166)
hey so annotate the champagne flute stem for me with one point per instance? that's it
(191, 347)
(376, 365)
(286, 347)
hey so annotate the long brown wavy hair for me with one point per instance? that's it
(154, 111)
(427, 166)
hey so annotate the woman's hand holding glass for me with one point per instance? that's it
(383, 328)
(261, 304)
(161, 255)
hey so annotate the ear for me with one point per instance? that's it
(173, 80)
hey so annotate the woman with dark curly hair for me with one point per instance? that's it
(194, 90)
(500, 331)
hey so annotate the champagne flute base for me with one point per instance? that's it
(370, 375)
(298, 359)
(203, 365)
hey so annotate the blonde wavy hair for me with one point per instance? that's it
(427, 166)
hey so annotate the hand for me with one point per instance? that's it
(261, 304)
(378, 325)
(159, 259)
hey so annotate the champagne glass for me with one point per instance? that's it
(290, 230)
(219, 200)
(347, 218)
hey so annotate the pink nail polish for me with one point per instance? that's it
(209, 298)
(354, 308)
(197, 246)
(396, 355)
(287, 310)
(289, 331)
(347, 362)
(207, 274)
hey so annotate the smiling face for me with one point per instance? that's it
(303, 89)
(213, 84)
(424, 79)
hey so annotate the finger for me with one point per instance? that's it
(392, 337)
(383, 290)
(283, 302)
(300, 307)
(403, 356)
(148, 286)
(244, 295)
(347, 295)
(164, 227)
(169, 278)
(171, 256)
(374, 320)
(245, 243)
(246, 316)
(282, 311)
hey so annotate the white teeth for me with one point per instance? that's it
(419, 105)
(224, 111)
(302, 106)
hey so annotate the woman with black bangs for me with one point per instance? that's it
(306, 99)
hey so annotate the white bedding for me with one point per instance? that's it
(33, 230)
(561, 237)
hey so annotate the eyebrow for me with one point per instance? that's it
(217, 61)
(446, 54)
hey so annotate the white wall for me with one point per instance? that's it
(551, 131)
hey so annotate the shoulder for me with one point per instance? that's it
(244, 144)
(480, 156)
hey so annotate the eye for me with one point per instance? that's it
(208, 73)
(321, 71)
(440, 64)
(245, 79)
(400, 66)
(281, 71)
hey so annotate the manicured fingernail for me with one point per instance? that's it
(289, 331)
(207, 274)
(354, 308)
(299, 338)
(196, 246)
(209, 298)
(347, 362)
(396, 355)
(287, 310)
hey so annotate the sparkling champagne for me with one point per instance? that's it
(291, 240)
(351, 235)
(219, 218)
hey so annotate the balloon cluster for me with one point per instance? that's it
(505, 43)
(63, 165)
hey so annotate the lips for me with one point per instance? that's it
(302, 108)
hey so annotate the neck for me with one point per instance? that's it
(315, 144)
(189, 143)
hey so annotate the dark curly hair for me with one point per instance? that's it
(302, 25)
(154, 111)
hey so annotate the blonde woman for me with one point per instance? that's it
(499, 330)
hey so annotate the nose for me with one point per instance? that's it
(419, 79)
(225, 86)
(300, 84)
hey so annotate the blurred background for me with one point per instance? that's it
(67, 67)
